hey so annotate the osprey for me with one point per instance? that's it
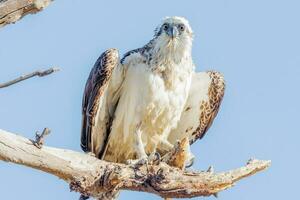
(146, 101)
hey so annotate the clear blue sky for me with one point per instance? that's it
(256, 44)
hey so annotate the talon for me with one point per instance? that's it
(158, 156)
(215, 195)
(190, 162)
(129, 162)
(142, 161)
(91, 154)
(139, 162)
(83, 197)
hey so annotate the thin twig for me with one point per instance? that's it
(40, 138)
(27, 76)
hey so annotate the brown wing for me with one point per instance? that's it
(205, 97)
(94, 99)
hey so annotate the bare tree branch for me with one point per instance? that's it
(13, 10)
(91, 176)
(27, 76)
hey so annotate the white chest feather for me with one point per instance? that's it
(151, 101)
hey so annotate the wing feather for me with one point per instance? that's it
(205, 97)
(94, 99)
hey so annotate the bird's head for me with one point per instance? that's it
(174, 33)
(175, 28)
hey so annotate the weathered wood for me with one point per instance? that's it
(13, 10)
(91, 176)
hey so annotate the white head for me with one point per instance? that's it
(174, 35)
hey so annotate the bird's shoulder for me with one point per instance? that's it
(143, 54)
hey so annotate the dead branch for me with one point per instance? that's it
(91, 176)
(27, 76)
(13, 10)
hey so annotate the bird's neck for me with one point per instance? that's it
(165, 56)
(172, 63)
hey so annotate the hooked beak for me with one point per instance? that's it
(172, 32)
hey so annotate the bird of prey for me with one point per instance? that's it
(145, 101)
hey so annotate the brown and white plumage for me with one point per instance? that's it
(149, 99)
(205, 97)
(96, 116)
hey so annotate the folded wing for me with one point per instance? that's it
(100, 99)
(205, 97)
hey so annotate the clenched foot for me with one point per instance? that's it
(139, 162)
(91, 154)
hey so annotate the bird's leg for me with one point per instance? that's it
(142, 157)
(141, 154)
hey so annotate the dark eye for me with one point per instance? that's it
(165, 27)
(181, 27)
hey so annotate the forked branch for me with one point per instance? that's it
(91, 176)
